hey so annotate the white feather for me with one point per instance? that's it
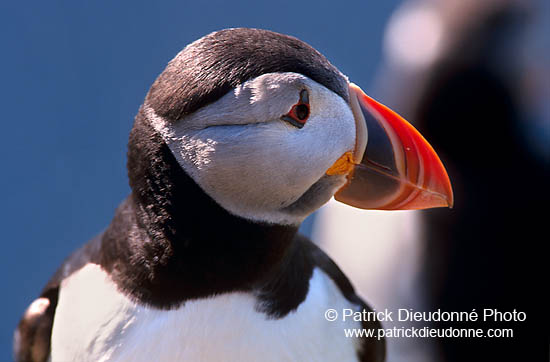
(95, 322)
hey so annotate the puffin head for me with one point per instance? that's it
(270, 130)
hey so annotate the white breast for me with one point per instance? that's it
(94, 322)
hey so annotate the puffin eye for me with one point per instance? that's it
(299, 113)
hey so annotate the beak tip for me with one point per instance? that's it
(447, 187)
(450, 200)
(412, 177)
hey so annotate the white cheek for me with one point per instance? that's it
(249, 167)
(198, 151)
(256, 170)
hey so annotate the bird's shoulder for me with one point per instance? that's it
(286, 290)
(33, 334)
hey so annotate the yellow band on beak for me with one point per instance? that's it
(343, 165)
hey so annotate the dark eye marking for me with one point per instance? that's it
(299, 113)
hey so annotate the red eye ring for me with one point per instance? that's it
(299, 113)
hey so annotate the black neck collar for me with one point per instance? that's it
(170, 242)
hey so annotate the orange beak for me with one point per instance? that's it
(395, 168)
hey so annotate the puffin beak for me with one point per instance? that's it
(394, 167)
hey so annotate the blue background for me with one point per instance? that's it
(73, 77)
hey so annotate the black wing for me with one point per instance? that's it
(288, 286)
(373, 349)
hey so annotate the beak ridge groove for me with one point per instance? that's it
(395, 167)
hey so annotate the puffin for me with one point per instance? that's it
(243, 135)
